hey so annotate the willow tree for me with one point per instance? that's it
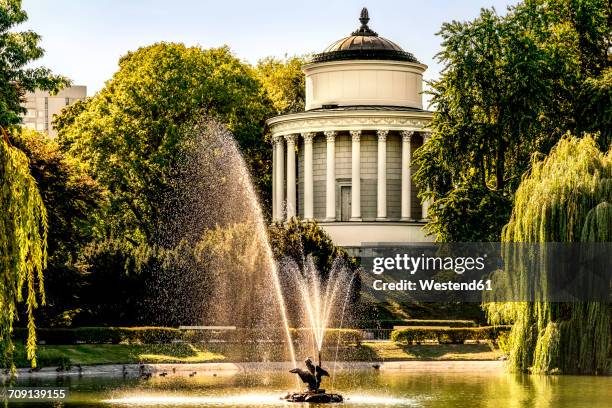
(564, 198)
(23, 247)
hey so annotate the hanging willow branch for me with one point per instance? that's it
(567, 197)
(23, 247)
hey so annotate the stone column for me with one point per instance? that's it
(280, 178)
(308, 177)
(274, 188)
(356, 175)
(381, 202)
(330, 190)
(406, 175)
(291, 184)
(427, 202)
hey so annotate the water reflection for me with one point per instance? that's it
(361, 388)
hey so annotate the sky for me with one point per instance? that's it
(84, 39)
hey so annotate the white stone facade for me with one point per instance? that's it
(354, 83)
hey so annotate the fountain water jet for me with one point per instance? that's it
(213, 191)
(319, 298)
(213, 208)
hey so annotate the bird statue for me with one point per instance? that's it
(313, 376)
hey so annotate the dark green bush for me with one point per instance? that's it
(446, 335)
(389, 324)
(48, 336)
(164, 335)
(103, 335)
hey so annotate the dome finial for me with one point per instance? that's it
(364, 30)
(364, 18)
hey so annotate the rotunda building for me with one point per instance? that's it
(346, 161)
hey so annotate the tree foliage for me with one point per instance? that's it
(296, 239)
(23, 247)
(284, 83)
(71, 198)
(566, 197)
(511, 86)
(127, 134)
(17, 51)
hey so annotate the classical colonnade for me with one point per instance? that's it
(285, 207)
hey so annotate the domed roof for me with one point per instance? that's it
(364, 44)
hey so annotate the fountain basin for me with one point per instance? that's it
(319, 397)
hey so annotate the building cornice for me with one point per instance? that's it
(322, 121)
(365, 64)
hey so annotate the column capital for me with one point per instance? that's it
(308, 137)
(355, 135)
(330, 135)
(291, 138)
(407, 135)
(382, 135)
(277, 139)
(426, 136)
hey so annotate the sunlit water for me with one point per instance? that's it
(361, 388)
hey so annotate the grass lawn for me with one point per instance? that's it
(90, 354)
(393, 351)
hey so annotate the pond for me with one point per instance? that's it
(360, 387)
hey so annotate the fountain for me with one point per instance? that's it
(318, 299)
(213, 192)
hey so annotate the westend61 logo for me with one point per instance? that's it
(413, 264)
(489, 271)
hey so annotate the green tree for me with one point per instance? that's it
(511, 86)
(23, 246)
(17, 51)
(127, 134)
(71, 197)
(283, 81)
(566, 197)
(296, 239)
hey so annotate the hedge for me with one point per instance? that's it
(389, 324)
(331, 338)
(446, 335)
(103, 335)
(162, 335)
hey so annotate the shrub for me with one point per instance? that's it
(332, 336)
(429, 323)
(164, 335)
(103, 335)
(446, 335)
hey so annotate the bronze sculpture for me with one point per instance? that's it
(312, 377)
